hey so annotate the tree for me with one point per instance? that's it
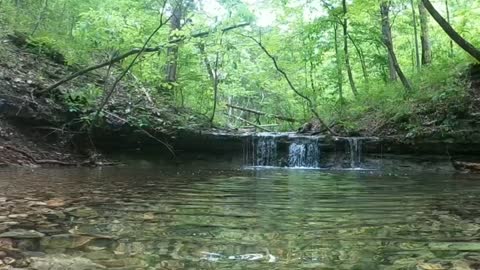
(172, 51)
(213, 74)
(415, 34)
(345, 49)
(339, 62)
(424, 35)
(464, 44)
(387, 39)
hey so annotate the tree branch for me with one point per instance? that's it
(132, 52)
(292, 87)
(464, 44)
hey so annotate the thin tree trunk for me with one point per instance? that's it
(213, 74)
(215, 88)
(385, 12)
(415, 32)
(345, 49)
(464, 44)
(361, 56)
(387, 38)
(424, 35)
(447, 7)
(40, 17)
(172, 51)
(339, 63)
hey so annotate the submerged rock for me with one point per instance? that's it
(57, 242)
(63, 262)
(83, 212)
(22, 234)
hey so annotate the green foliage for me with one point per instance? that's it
(83, 100)
(299, 34)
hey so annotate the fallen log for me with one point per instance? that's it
(248, 122)
(469, 166)
(288, 119)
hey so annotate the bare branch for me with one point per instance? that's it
(292, 86)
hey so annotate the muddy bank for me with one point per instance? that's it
(55, 128)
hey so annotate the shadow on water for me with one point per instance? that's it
(198, 217)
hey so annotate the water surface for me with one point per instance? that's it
(196, 217)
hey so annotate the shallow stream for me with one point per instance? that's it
(200, 217)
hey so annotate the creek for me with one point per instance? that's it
(212, 215)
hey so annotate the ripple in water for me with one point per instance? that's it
(268, 219)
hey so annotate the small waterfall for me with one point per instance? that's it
(355, 152)
(297, 151)
(260, 149)
(265, 151)
(305, 154)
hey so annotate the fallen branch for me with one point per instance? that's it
(248, 122)
(133, 52)
(262, 113)
(265, 126)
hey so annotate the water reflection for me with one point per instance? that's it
(166, 218)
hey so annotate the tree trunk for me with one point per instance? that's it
(345, 50)
(172, 51)
(447, 8)
(361, 56)
(213, 75)
(339, 63)
(387, 37)
(415, 32)
(387, 40)
(215, 88)
(464, 44)
(424, 35)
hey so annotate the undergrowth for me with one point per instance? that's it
(438, 100)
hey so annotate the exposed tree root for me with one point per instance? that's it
(87, 162)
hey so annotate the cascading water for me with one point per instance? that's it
(355, 152)
(261, 150)
(297, 151)
(266, 151)
(305, 154)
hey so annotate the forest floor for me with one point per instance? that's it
(28, 124)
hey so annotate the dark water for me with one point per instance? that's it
(183, 218)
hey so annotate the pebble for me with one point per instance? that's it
(17, 216)
(56, 202)
(9, 260)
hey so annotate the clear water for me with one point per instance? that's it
(191, 217)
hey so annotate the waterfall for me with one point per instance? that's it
(306, 154)
(265, 151)
(298, 151)
(355, 152)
